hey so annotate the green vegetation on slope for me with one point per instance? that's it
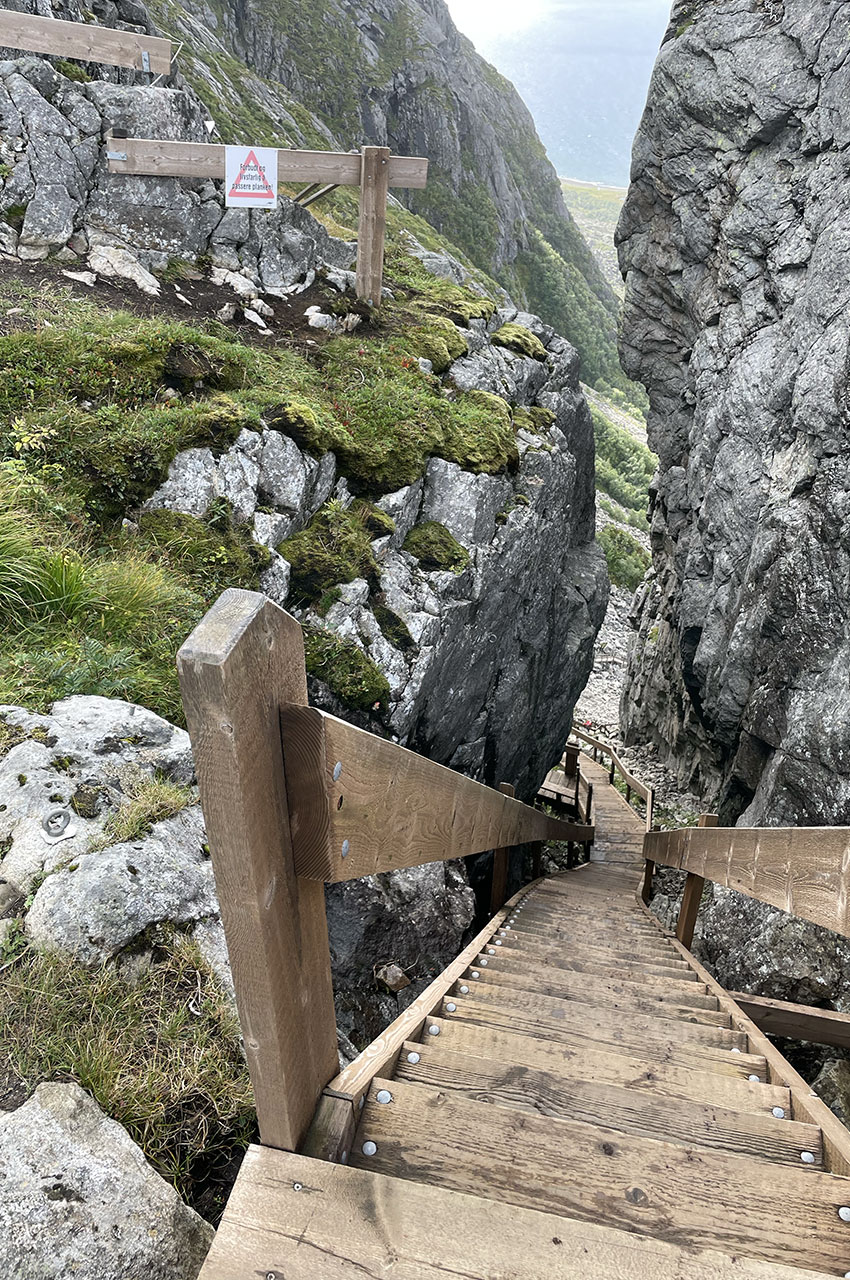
(596, 210)
(624, 467)
(161, 1054)
(627, 560)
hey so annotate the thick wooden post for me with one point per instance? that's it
(692, 896)
(536, 859)
(374, 186)
(499, 885)
(243, 660)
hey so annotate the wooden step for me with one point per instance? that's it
(605, 994)
(569, 956)
(679, 1076)
(530, 954)
(691, 1195)
(626, 1110)
(552, 982)
(606, 1026)
(303, 1219)
(575, 945)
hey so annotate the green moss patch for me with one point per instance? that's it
(160, 1055)
(440, 342)
(393, 628)
(435, 548)
(535, 419)
(515, 337)
(346, 670)
(334, 548)
(214, 552)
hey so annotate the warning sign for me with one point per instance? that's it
(250, 177)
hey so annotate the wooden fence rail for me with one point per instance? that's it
(292, 799)
(632, 783)
(84, 41)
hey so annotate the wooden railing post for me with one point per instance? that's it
(499, 885)
(536, 859)
(646, 887)
(374, 187)
(240, 664)
(692, 895)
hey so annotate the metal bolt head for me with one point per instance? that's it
(464, 991)
(369, 1148)
(384, 1096)
(337, 770)
(433, 1031)
(344, 1158)
(736, 1050)
(483, 961)
(475, 973)
(754, 1079)
(807, 1157)
(451, 1006)
(491, 951)
(414, 1058)
(346, 845)
(298, 1186)
(499, 942)
(779, 1113)
(844, 1213)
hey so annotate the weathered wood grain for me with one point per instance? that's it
(796, 1021)
(303, 1220)
(243, 659)
(499, 880)
(84, 41)
(374, 184)
(387, 807)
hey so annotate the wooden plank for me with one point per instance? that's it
(627, 1110)
(354, 1080)
(387, 807)
(499, 883)
(164, 158)
(688, 1195)
(628, 968)
(573, 943)
(801, 870)
(597, 992)
(293, 1217)
(796, 1021)
(561, 984)
(677, 1072)
(332, 1131)
(84, 41)
(243, 659)
(608, 1028)
(692, 895)
(372, 226)
(565, 958)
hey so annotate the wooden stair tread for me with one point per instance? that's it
(302, 1219)
(676, 1077)
(655, 1115)
(607, 995)
(685, 1195)
(553, 982)
(574, 1017)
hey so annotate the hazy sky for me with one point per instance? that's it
(582, 66)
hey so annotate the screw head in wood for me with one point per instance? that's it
(346, 845)
(844, 1213)
(475, 973)
(464, 991)
(370, 1148)
(337, 770)
(807, 1157)
(736, 1050)
(483, 960)
(414, 1058)
(344, 1158)
(491, 951)
(779, 1113)
(499, 943)
(384, 1096)
(298, 1186)
(433, 1031)
(754, 1079)
(451, 1006)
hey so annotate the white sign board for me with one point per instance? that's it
(250, 175)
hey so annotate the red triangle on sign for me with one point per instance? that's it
(251, 159)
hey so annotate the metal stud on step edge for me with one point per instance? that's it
(491, 951)
(464, 991)
(337, 770)
(414, 1058)
(779, 1113)
(475, 973)
(754, 1079)
(384, 1096)
(483, 961)
(369, 1148)
(451, 1006)
(807, 1157)
(844, 1213)
(433, 1031)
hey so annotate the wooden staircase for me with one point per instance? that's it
(584, 1101)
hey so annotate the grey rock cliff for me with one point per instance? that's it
(737, 317)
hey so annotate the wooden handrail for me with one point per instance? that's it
(360, 805)
(293, 798)
(802, 870)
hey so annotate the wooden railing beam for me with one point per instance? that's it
(796, 1021)
(84, 41)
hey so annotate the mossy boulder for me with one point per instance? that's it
(393, 628)
(492, 446)
(349, 674)
(334, 548)
(214, 552)
(536, 419)
(435, 548)
(297, 419)
(440, 342)
(515, 337)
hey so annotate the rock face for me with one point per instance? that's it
(733, 241)
(500, 651)
(77, 1197)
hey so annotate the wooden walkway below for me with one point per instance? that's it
(585, 1102)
